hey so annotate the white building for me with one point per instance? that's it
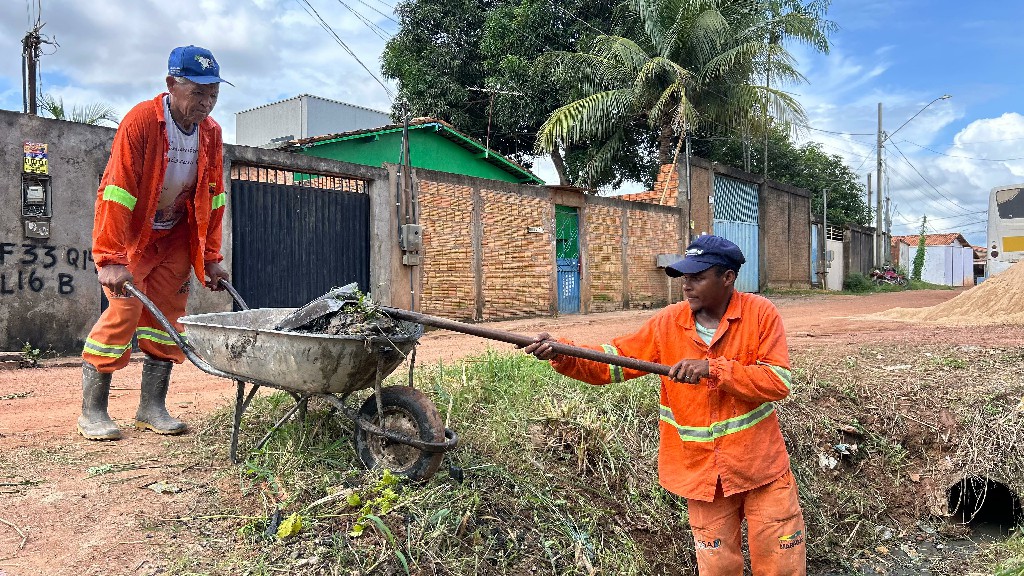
(948, 258)
(300, 117)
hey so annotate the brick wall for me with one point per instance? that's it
(650, 234)
(518, 265)
(448, 283)
(489, 249)
(603, 227)
(786, 242)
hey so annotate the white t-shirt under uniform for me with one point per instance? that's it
(180, 178)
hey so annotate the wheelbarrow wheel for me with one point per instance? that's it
(408, 412)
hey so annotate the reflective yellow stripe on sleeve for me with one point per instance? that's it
(785, 375)
(717, 429)
(614, 371)
(119, 195)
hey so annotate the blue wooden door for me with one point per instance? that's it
(736, 214)
(567, 253)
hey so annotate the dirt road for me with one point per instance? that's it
(56, 519)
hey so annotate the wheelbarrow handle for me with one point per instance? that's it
(234, 294)
(523, 340)
(179, 341)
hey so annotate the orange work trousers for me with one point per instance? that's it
(162, 273)
(775, 531)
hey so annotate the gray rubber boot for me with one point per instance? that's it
(95, 423)
(152, 413)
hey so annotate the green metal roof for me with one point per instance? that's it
(477, 150)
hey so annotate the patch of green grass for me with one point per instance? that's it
(1011, 554)
(551, 474)
(922, 285)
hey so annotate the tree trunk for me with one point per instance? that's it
(665, 144)
(559, 162)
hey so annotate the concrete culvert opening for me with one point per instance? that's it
(988, 507)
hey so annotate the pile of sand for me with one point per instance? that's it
(998, 300)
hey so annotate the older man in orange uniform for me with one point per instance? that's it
(721, 447)
(159, 209)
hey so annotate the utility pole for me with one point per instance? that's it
(30, 53)
(878, 195)
(869, 190)
(888, 217)
(874, 235)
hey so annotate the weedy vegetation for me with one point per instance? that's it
(553, 476)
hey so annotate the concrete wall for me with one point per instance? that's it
(48, 290)
(49, 295)
(785, 229)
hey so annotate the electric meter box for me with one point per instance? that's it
(35, 195)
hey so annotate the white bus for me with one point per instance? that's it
(1005, 228)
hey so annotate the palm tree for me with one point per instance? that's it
(689, 62)
(92, 114)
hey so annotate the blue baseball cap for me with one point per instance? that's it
(195, 64)
(705, 252)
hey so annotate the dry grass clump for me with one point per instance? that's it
(998, 300)
(878, 436)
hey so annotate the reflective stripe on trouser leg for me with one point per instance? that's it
(775, 529)
(107, 347)
(167, 285)
(716, 535)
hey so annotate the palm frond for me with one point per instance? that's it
(590, 118)
(601, 160)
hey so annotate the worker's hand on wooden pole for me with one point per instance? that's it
(541, 347)
(689, 371)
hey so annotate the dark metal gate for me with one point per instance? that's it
(293, 243)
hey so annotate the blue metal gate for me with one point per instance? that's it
(736, 215)
(568, 285)
(567, 255)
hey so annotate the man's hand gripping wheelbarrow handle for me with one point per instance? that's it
(522, 341)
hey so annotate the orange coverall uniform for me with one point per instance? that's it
(721, 447)
(159, 260)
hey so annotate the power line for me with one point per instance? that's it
(957, 209)
(839, 133)
(379, 12)
(377, 30)
(911, 164)
(963, 157)
(327, 27)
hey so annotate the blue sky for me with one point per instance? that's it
(902, 53)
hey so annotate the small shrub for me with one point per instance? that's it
(857, 282)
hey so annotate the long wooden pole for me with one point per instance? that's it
(523, 340)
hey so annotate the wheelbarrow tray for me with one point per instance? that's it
(241, 344)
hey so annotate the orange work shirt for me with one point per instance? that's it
(130, 190)
(724, 426)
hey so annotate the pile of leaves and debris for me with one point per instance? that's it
(355, 314)
(553, 476)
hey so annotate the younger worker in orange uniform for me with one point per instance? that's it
(159, 209)
(721, 447)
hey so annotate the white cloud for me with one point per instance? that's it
(115, 52)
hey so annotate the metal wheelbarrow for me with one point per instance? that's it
(398, 427)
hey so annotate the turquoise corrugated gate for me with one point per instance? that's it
(736, 215)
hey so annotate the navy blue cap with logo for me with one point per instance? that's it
(705, 252)
(195, 64)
